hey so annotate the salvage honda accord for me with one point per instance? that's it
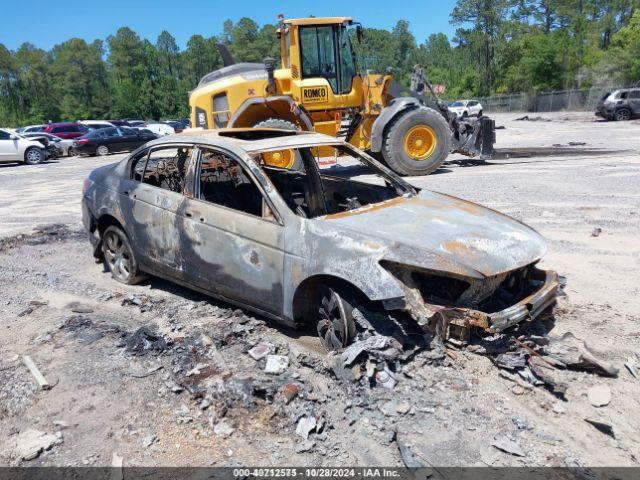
(304, 228)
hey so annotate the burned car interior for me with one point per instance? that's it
(309, 188)
(315, 189)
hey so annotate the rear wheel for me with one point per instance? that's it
(417, 142)
(102, 150)
(119, 258)
(622, 114)
(33, 156)
(281, 158)
(335, 325)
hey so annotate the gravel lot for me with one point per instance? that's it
(60, 308)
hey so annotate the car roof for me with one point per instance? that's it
(62, 124)
(265, 138)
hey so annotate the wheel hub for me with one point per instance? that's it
(332, 325)
(117, 256)
(280, 159)
(420, 142)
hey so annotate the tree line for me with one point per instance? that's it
(500, 46)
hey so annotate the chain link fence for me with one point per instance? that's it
(554, 101)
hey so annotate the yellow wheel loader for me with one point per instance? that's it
(318, 88)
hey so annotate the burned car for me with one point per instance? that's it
(304, 228)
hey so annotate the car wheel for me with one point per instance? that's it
(33, 156)
(465, 114)
(335, 325)
(479, 113)
(622, 114)
(417, 142)
(102, 150)
(284, 158)
(119, 258)
(71, 152)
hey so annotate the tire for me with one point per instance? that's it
(119, 257)
(102, 150)
(622, 114)
(71, 152)
(296, 163)
(479, 113)
(33, 156)
(334, 322)
(465, 114)
(401, 149)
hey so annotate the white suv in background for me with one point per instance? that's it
(466, 108)
(15, 148)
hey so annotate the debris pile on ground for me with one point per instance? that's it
(538, 360)
(56, 232)
(29, 443)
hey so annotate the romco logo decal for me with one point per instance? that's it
(315, 95)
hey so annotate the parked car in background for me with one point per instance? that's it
(176, 125)
(135, 123)
(158, 128)
(109, 140)
(66, 129)
(96, 124)
(623, 104)
(64, 146)
(119, 123)
(16, 148)
(466, 108)
(184, 122)
(31, 128)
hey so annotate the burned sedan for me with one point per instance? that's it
(304, 228)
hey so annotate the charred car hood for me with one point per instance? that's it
(444, 233)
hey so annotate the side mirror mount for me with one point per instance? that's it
(13, 137)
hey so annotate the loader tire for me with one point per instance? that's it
(287, 158)
(417, 142)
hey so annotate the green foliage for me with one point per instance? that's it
(500, 46)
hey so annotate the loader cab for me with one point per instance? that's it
(319, 54)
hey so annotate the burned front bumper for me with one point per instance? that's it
(455, 323)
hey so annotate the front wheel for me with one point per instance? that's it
(479, 113)
(417, 142)
(33, 156)
(335, 325)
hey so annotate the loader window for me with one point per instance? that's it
(318, 54)
(347, 61)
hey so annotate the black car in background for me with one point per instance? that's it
(112, 139)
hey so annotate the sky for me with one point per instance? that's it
(47, 23)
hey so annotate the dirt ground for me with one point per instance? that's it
(203, 399)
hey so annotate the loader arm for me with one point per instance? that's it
(470, 136)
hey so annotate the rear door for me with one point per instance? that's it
(236, 246)
(154, 199)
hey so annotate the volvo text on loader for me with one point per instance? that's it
(318, 88)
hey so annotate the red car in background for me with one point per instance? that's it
(66, 130)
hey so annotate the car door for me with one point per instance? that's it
(113, 139)
(8, 147)
(236, 246)
(634, 102)
(152, 199)
(131, 139)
